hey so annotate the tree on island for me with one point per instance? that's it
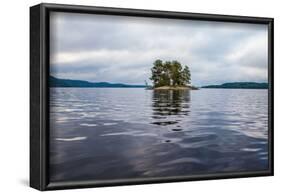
(169, 73)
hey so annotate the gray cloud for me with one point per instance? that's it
(122, 49)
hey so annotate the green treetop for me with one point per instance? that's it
(169, 73)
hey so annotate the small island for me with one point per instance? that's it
(170, 75)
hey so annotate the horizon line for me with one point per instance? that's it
(149, 85)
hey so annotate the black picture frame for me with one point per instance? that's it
(39, 94)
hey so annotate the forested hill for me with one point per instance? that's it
(56, 82)
(240, 85)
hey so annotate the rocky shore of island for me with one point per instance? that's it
(176, 88)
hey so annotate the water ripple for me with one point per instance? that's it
(134, 133)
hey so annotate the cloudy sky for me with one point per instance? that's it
(122, 49)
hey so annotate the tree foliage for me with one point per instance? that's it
(169, 73)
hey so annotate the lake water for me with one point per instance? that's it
(119, 133)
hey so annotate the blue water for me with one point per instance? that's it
(115, 133)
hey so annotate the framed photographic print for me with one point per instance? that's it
(127, 96)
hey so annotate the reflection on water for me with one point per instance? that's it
(99, 134)
(169, 106)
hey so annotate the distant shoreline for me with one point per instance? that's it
(162, 89)
(237, 88)
(97, 87)
(238, 85)
(68, 83)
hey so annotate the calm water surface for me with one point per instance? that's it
(114, 133)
